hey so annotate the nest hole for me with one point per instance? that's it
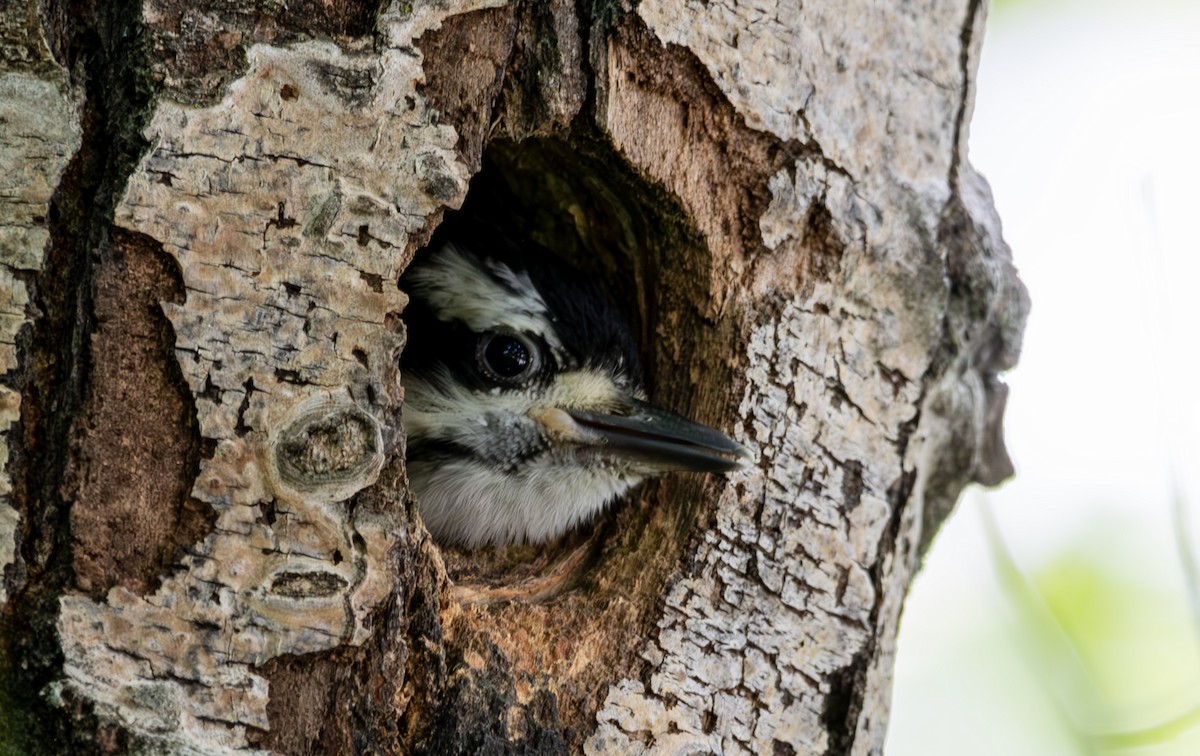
(579, 199)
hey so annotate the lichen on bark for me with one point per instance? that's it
(780, 634)
(39, 133)
(780, 195)
(291, 207)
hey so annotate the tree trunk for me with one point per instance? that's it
(206, 537)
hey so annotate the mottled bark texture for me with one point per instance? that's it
(205, 533)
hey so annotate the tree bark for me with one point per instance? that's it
(207, 541)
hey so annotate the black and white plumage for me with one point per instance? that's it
(523, 403)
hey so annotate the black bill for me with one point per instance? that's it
(664, 440)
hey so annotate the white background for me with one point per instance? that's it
(1087, 127)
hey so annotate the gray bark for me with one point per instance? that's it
(203, 487)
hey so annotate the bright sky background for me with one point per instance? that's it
(1087, 127)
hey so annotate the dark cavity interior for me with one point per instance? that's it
(579, 199)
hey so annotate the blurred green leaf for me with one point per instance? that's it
(1117, 652)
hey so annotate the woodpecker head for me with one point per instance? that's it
(523, 401)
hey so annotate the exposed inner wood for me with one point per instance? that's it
(780, 202)
(138, 446)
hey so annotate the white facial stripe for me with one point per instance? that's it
(456, 288)
(449, 410)
(471, 420)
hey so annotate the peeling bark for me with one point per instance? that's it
(39, 115)
(219, 529)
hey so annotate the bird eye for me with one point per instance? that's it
(506, 358)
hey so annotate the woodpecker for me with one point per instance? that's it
(523, 398)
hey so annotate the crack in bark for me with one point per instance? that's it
(974, 7)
